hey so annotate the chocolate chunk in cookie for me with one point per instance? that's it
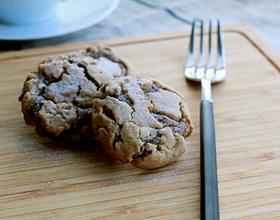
(58, 97)
(141, 121)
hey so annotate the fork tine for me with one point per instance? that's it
(191, 46)
(190, 58)
(210, 71)
(221, 56)
(201, 48)
(190, 62)
(201, 37)
(209, 59)
(200, 70)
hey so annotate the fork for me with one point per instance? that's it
(206, 73)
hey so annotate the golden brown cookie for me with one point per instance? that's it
(141, 121)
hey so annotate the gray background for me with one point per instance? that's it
(146, 17)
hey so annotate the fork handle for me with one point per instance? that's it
(209, 180)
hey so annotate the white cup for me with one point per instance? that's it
(27, 11)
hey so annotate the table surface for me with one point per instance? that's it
(146, 17)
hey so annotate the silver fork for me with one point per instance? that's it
(205, 73)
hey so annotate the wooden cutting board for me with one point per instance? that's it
(42, 180)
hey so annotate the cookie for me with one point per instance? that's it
(141, 121)
(57, 98)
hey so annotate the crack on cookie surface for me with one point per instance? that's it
(143, 153)
(118, 137)
(153, 138)
(87, 75)
(109, 113)
(122, 98)
(152, 89)
(179, 127)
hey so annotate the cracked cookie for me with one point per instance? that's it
(141, 121)
(57, 98)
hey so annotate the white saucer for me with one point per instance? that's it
(72, 15)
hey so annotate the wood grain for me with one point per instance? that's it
(43, 180)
